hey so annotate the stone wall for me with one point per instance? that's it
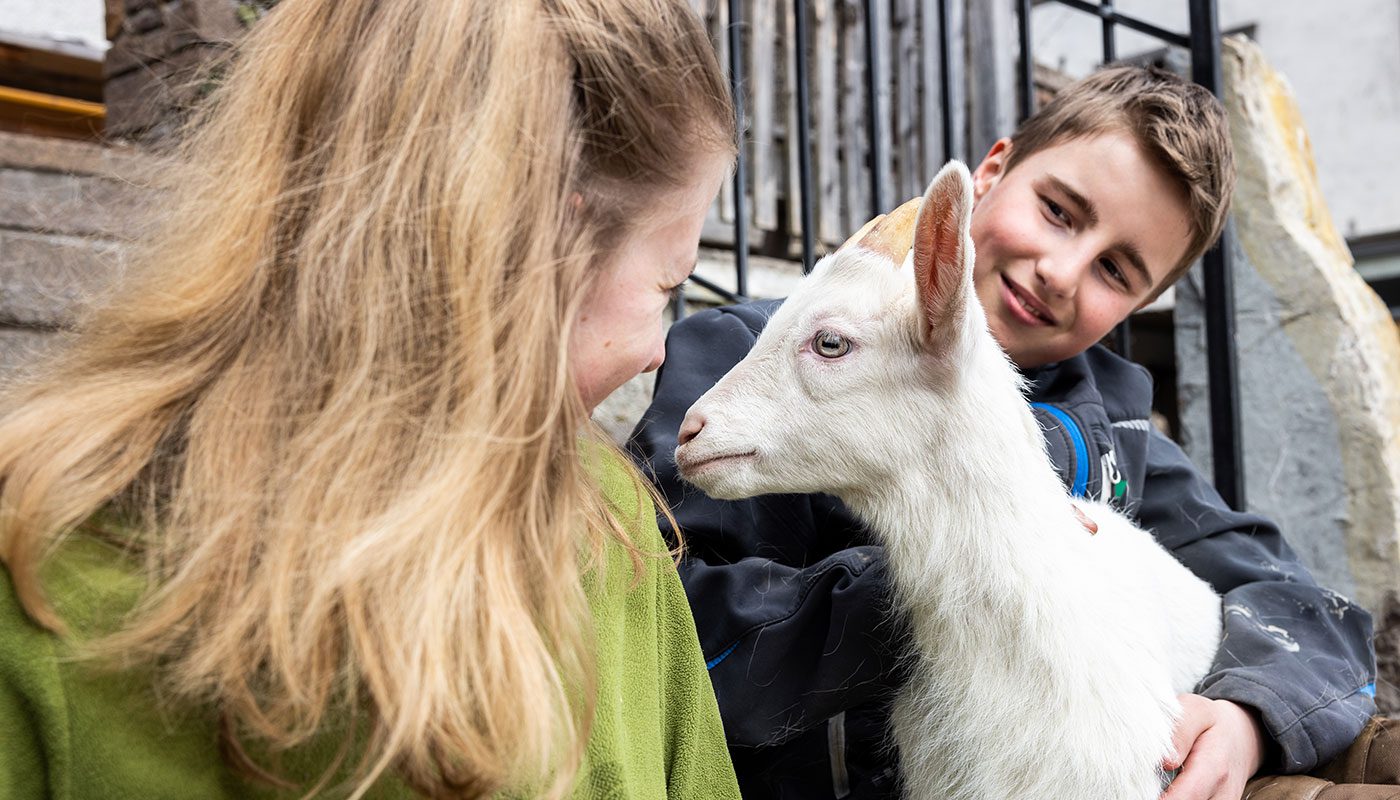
(1319, 361)
(159, 62)
(66, 212)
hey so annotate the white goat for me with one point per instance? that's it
(1047, 659)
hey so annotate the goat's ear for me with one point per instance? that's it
(891, 235)
(943, 253)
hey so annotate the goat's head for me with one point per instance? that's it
(837, 390)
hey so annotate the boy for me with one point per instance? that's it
(1096, 205)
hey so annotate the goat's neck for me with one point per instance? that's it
(982, 494)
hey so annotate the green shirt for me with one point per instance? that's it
(73, 731)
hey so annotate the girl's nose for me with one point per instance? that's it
(658, 355)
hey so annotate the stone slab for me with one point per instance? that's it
(47, 154)
(1319, 361)
(21, 349)
(68, 204)
(47, 281)
(155, 97)
(156, 33)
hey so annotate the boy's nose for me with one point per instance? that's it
(1059, 276)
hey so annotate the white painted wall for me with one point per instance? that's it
(78, 21)
(1342, 60)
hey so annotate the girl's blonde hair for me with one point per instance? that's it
(335, 397)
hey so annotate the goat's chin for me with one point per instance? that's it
(730, 477)
(724, 490)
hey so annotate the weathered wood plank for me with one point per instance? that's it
(957, 83)
(716, 18)
(767, 160)
(931, 144)
(882, 150)
(908, 174)
(854, 146)
(826, 110)
(909, 102)
(792, 183)
(992, 73)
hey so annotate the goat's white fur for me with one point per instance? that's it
(1046, 660)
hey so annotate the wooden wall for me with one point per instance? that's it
(982, 58)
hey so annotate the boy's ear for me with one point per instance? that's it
(992, 168)
(943, 254)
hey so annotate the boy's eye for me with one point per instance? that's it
(1113, 272)
(1056, 211)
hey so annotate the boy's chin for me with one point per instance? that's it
(1029, 348)
(1032, 354)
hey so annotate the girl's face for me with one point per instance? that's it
(619, 333)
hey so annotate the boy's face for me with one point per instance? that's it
(1070, 242)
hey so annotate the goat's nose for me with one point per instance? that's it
(690, 428)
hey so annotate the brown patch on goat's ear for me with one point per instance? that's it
(891, 235)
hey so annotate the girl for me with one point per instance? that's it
(314, 505)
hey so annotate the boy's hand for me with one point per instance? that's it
(1219, 746)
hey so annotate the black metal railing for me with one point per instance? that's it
(1203, 42)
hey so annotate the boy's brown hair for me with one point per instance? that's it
(1179, 124)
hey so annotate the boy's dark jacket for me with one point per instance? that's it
(789, 592)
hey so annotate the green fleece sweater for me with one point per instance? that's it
(71, 731)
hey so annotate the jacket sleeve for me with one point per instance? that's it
(792, 618)
(1298, 654)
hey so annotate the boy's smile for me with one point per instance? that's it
(1070, 241)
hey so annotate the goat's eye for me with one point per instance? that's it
(830, 345)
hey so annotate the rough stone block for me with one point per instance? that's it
(67, 204)
(114, 13)
(133, 50)
(156, 96)
(1318, 353)
(46, 281)
(48, 154)
(155, 34)
(210, 20)
(144, 20)
(21, 349)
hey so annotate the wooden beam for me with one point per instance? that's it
(50, 67)
(24, 111)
